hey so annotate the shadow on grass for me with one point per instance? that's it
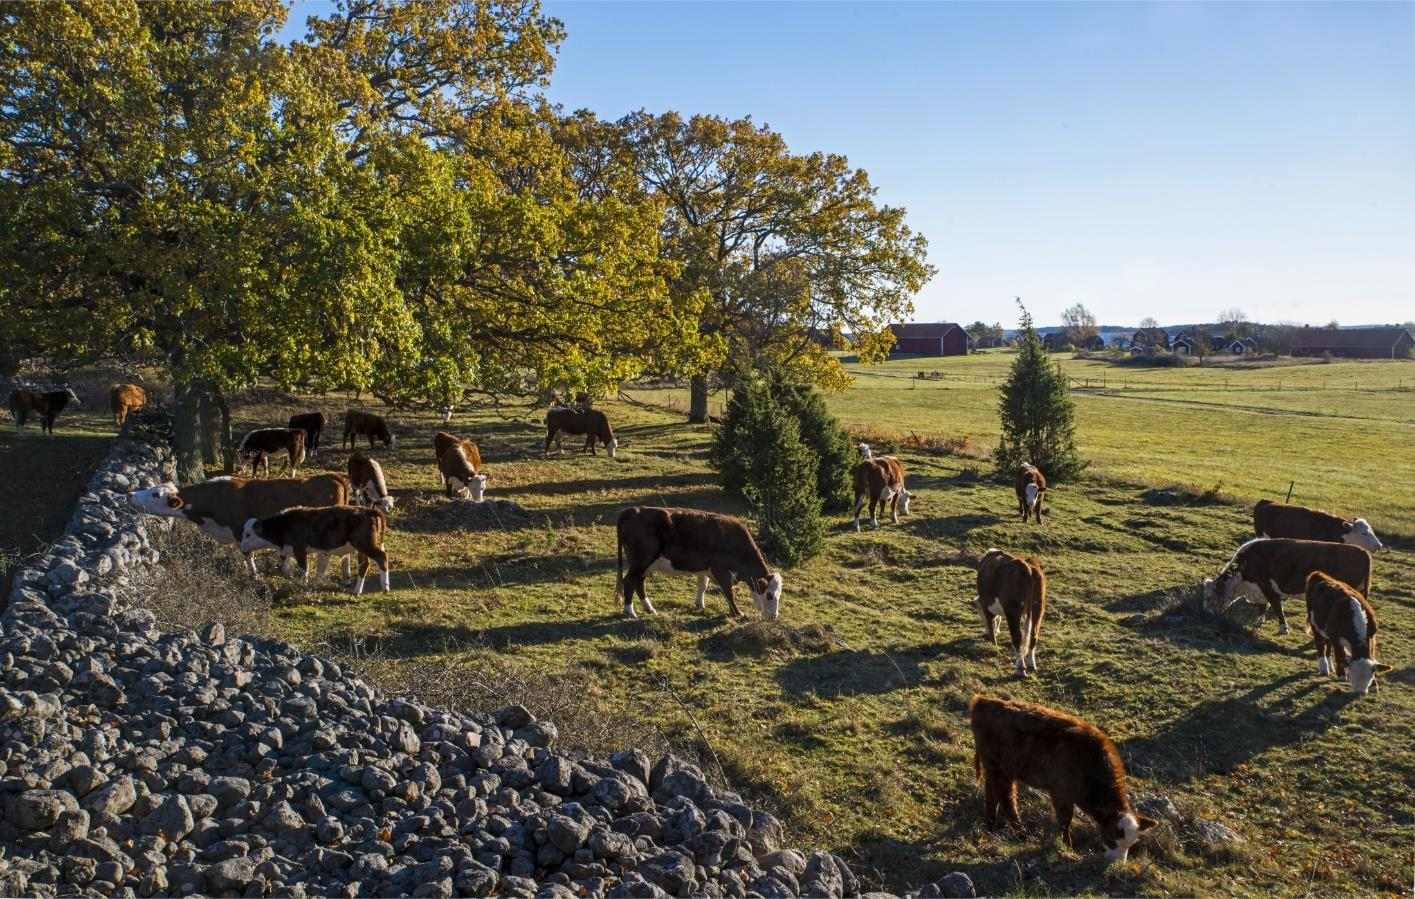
(643, 482)
(848, 672)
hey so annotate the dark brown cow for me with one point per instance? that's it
(312, 423)
(590, 422)
(690, 542)
(46, 406)
(125, 399)
(365, 424)
(327, 531)
(222, 506)
(1031, 488)
(1071, 760)
(259, 445)
(1272, 519)
(366, 484)
(881, 482)
(1343, 625)
(1266, 570)
(1016, 589)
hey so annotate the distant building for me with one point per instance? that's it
(1353, 343)
(1054, 341)
(1151, 338)
(1094, 342)
(991, 342)
(930, 339)
(1183, 344)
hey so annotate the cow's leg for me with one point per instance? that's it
(894, 504)
(1039, 507)
(630, 584)
(1064, 809)
(363, 574)
(1274, 598)
(1036, 632)
(992, 798)
(989, 622)
(589, 445)
(1016, 627)
(859, 504)
(287, 566)
(874, 510)
(302, 558)
(701, 601)
(1022, 506)
(1008, 797)
(1323, 649)
(250, 564)
(381, 558)
(322, 568)
(723, 577)
(549, 436)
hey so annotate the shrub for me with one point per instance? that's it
(825, 438)
(1038, 416)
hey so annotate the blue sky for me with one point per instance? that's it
(1166, 159)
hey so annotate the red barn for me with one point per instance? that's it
(1353, 343)
(930, 339)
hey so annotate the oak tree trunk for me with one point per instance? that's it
(186, 433)
(698, 399)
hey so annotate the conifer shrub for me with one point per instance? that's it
(1038, 415)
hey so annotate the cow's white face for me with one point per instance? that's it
(472, 489)
(163, 499)
(385, 505)
(1030, 491)
(1229, 586)
(611, 446)
(446, 414)
(768, 602)
(1361, 535)
(864, 449)
(251, 539)
(73, 397)
(907, 498)
(1362, 675)
(1122, 833)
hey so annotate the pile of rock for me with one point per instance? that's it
(138, 762)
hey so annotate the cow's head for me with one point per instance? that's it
(1360, 534)
(73, 397)
(164, 499)
(1031, 491)
(1361, 674)
(446, 412)
(864, 449)
(766, 595)
(1121, 832)
(385, 505)
(907, 498)
(252, 537)
(611, 446)
(472, 488)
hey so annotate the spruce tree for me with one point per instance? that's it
(826, 439)
(1038, 416)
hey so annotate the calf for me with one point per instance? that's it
(220, 507)
(592, 423)
(259, 445)
(365, 424)
(1272, 519)
(312, 423)
(1031, 487)
(690, 542)
(881, 481)
(367, 485)
(443, 441)
(1266, 570)
(1342, 623)
(1071, 760)
(459, 475)
(125, 399)
(1016, 589)
(328, 531)
(46, 406)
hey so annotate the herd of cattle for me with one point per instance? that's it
(1297, 550)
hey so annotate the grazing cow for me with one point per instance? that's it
(443, 441)
(561, 420)
(1031, 487)
(1016, 589)
(1267, 570)
(1272, 519)
(367, 487)
(46, 406)
(365, 424)
(125, 399)
(1342, 623)
(459, 476)
(312, 423)
(881, 481)
(328, 531)
(259, 445)
(1073, 761)
(222, 506)
(690, 542)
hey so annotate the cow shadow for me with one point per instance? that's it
(1176, 617)
(850, 672)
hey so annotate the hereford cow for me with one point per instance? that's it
(1266, 570)
(312, 423)
(1073, 761)
(881, 482)
(1015, 589)
(46, 406)
(560, 420)
(443, 441)
(125, 399)
(459, 476)
(1272, 519)
(366, 484)
(222, 506)
(259, 445)
(328, 531)
(365, 424)
(690, 542)
(1031, 487)
(1343, 624)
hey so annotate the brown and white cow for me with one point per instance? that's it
(1015, 589)
(690, 542)
(312, 423)
(125, 399)
(259, 445)
(560, 420)
(46, 406)
(1071, 760)
(1031, 488)
(1272, 519)
(1343, 625)
(326, 531)
(365, 424)
(366, 484)
(881, 482)
(220, 507)
(459, 464)
(1266, 570)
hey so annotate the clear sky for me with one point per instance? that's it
(1166, 159)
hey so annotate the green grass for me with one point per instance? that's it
(860, 739)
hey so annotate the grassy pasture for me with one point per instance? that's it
(860, 739)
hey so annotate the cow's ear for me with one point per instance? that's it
(174, 501)
(759, 585)
(1145, 823)
(1383, 668)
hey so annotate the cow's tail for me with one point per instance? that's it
(619, 567)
